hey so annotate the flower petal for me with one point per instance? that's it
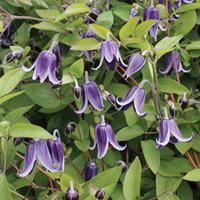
(29, 160)
(43, 155)
(102, 141)
(164, 135)
(174, 130)
(139, 100)
(112, 139)
(109, 48)
(128, 98)
(94, 95)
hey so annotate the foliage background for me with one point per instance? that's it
(169, 173)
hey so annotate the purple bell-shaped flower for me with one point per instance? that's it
(72, 193)
(46, 65)
(90, 94)
(103, 136)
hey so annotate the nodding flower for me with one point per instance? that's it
(174, 62)
(135, 97)
(46, 65)
(90, 170)
(172, 108)
(72, 192)
(110, 53)
(103, 136)
(135, 63)
(89, 54)
(169, 132)
(90, 94)
(184, 101)
(49, 153)
(5, 36)
(12, 56)
(153, 13)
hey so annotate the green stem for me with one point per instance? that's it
(5, 153)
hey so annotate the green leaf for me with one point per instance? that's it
(26, 130)
(166, 45)
(130, 116)
(105, 19)
(100, 181)
(86, 44)
(41, 94)
(129, 132)
(4, 190)
(131, 186)
(166, 185)
(73, 9)
(50, 13)
(23, 34)
(184, 191)
(10, 96)
(188, 7)
(142, 29)
(48, 26)
(77, 68)
(82, 145)
(151, 155)
(128, 28)
(193, 175)
(123, 12)
(171, 86)
(185, 23)
(10, 80)
(195, 45)
(99, 30)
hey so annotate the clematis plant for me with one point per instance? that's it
(46, 65)
(48, 153)
(103, 136)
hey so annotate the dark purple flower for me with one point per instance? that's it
(103, 136)
(135, 63)
(92, 16)
(169, 132)
(71, 127)
(90, 170)
(89, 54)
(110, 52)
(100, 194)
(123, 165)
(51, 157)
(174, 62)
(5, 36)
(18, 141)
(72, 193)
(46, 65)
(136, 97)
(134, 11)
(12, 56)
(172, 108)
(90, 94)
(184, 102)
(153, 13)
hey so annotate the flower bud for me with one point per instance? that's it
(184, 102)
(100, 194)
(112, 99)
(71, 127)
(77, 92)
(172, 108)
(18, 141)
(72, 193)
(123, 165)
(90, 170)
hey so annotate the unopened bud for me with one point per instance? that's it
(90, 170)
(72, 193)
(100, 194)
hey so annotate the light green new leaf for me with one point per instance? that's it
(99, 30)
(128, 28)
(26, 130)
(151, 155)
(50, 13)
(77, 68)
(171, 86)
(129, 132)
(132, 180)
(193, 175)
(73, 9)
(142, 29)
(86, 44)
(10, 80)
(105, 19)
(188, 7)
(49, 26)
(4, 190)
(185, 23)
